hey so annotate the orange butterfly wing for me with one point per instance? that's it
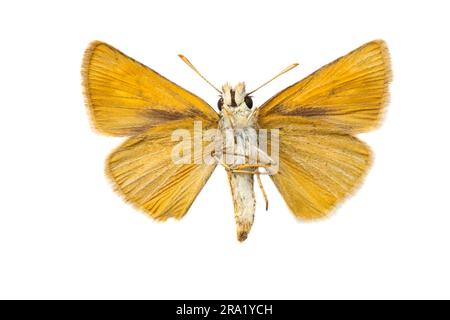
(320, 162)
(126, 98)
(144, 173)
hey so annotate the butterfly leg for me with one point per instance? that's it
(227, 167)
(232, 170)
(251, 166)
(240, 168)
(255, 172)
(262, 189)
(266, 159)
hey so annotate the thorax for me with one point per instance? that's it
(238, 133)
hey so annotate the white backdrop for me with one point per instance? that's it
(65, 234)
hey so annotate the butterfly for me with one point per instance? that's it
(319, 160)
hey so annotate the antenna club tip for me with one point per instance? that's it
(190, 65)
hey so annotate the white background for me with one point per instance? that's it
(65, 234)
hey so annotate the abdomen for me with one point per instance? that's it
(242, 187)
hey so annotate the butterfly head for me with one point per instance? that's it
(234, 98)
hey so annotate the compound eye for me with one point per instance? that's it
(220, 104)
(248, 101)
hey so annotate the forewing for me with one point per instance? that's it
(126, 98)
(348, 94)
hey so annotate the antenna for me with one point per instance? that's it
(292, 66)
(185, 60)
